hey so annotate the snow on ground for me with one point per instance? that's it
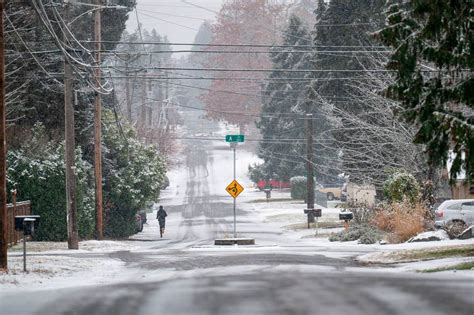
(51, 264)
(56, 271)
(84, 247)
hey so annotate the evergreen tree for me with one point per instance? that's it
(433, 59)
(282, 115)
(340, 24)
(34, 78)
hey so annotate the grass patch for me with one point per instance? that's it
(285, 217)
(405, 256)
(461, 266)
(321, 225)
(319, 235)
(33, 246)
(437, 253)
(270, 200)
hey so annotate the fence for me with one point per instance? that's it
(20, 208)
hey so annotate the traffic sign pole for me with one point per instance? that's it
(234, 188)
(235, 200)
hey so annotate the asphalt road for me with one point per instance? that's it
(188, 275)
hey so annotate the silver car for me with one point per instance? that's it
(456, 211)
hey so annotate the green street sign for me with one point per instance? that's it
(234, 138)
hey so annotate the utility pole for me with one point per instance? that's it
(72, 234)
(127, 93)
(309, 161)
(99, 228)
(142, 120)
(3, 151)
(310, 211)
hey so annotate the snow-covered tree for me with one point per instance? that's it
(283, 114)
(433, 60)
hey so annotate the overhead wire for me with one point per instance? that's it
(29, 51)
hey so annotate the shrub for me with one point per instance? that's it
(40, 177)
(400, 186)
(256, 172)
(362, 215)
(401, 220)
(298, 187)
(365, 233)
(134, 174)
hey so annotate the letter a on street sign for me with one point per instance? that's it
(234, 138)
(234, 189)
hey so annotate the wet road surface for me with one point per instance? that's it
(184, 273)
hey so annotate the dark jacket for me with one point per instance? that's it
(161, 216)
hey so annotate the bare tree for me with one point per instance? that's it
(377, 142)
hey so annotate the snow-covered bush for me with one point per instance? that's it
(366, 234)
(256, 172)
(298, 187)
(39, 175)
(133, 176)
(400, 186)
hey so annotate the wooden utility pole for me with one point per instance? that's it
(142, 120)
(99, 228)
(127, 93)
(72, 234)
(3, 151)
(309, 161)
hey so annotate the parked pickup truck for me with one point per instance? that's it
(331, 192)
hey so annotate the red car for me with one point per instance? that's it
(273, 183)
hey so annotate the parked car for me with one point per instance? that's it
(142, 214)
(272, 183)
(138, 223)
(455, 212)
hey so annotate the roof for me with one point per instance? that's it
(447, 203)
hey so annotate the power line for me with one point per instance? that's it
(172, 15)
(157, 78)
(240, 113)
(237, 45)
(166, 21)
(266, 70)
(325, 52)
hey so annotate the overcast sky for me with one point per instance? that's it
(178, 20)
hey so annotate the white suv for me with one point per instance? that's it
(460, 211)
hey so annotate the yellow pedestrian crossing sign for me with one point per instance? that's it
(234, 189)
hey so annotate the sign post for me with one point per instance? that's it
(234, 188)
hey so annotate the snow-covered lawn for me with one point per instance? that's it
(51, 264)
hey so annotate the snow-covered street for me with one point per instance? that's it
(288, 271)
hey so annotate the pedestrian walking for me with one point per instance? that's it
(161, 216)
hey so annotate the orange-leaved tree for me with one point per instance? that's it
(234, 93)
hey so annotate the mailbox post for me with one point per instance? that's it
(312, 213)
(268, 193)
(28, 224)
(346, 216)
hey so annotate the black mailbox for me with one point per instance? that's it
(346, 216)
(27, 223)
(313, 212)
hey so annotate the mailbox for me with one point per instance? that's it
(346, 216)
(313, 212)
(27, 223)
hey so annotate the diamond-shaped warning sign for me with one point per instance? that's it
(234, 189)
